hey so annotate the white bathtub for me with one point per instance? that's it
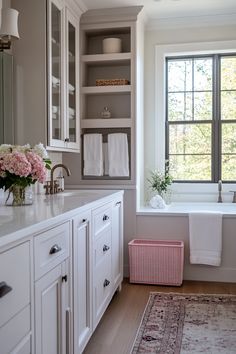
(187, 207)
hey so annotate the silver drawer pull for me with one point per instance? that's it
(118, 203)
(105, 217)
(106, 283)
(4, 289)
(105, 248)
(55, 249)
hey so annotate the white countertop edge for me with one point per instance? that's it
(41, 226)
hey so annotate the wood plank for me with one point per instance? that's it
(117, 329)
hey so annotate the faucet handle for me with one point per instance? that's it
(47, 187)
(234, 196)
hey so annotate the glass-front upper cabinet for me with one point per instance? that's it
(63, 36)
(55, 71)
(72, 80)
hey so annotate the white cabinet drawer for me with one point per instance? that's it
(51, 248)
(102, 247)
(14, 273)
(101, 218)
(14, 331)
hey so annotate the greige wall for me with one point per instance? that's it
(170, 36)
(175, 227)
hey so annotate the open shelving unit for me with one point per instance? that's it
(120, 100)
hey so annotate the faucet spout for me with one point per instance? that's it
(219, 191)
(52, 172)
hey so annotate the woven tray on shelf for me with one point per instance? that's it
(111, 82)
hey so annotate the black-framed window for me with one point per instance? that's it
(201, 117)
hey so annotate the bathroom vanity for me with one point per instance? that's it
(61, 261)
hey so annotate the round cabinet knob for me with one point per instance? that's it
(106, 283)
(105, 217)
(105, 248)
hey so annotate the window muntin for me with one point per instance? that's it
(201, 118)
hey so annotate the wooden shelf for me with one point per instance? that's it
(106, 123)
(91, 90)
(116, 58)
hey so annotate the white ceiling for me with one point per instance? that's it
(156, 9)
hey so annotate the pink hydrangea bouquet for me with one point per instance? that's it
(22, 166)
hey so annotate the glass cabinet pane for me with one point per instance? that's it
(71, 84)
(56, 84)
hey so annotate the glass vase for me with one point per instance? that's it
(19, 195)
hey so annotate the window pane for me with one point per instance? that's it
(179, 75)
(179, 106)
(228, 167)
(190, 139)
(228, 73)
(202, 105)
(229, 138)
(228, 105)
(203, 74)
(187, 168)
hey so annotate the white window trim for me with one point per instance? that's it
(171, 50)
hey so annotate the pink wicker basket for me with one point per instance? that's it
(156, 262)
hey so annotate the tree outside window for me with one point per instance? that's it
(201, 118)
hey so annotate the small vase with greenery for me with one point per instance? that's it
(160, 182)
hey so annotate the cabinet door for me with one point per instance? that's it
(117, 242)
(72, 82)
(82, 281)
(56, 73)
(51, 312)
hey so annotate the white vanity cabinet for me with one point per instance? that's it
(15, 300)
(82, 280)
(97, 266)
(48, 112)
(57, 276)
(52, 311)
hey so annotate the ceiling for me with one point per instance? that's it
(163, 9)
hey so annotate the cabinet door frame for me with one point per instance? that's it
(74, 21)
(117, 232)
(82, 222)
(50, 279)
(58, 143)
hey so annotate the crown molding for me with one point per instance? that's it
(129, 13)
(191, 22)
(79, 4)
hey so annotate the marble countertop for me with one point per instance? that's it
(18, 222)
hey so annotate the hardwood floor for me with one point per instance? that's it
(117, 329)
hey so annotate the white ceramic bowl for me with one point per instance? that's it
(111, 45)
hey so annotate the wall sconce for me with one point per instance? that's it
(8, 28)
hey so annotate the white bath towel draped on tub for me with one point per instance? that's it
(205, 236)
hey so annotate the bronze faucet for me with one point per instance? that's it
(52, 185)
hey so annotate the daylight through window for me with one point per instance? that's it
(201, 117)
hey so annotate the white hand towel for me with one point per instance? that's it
(205, 232)
(118, 155)
(93, 157)
(105, 158)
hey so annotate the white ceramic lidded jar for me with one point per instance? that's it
(111, 45)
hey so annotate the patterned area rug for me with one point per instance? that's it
(187, 324)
